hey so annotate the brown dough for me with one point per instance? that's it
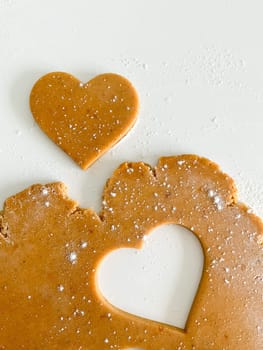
(51, 249)
(85, 120)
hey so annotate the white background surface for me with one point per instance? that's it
(197, 66)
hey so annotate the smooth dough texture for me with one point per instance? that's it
(50, 250)
(85, 120)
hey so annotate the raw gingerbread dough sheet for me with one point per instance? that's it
(51, 250)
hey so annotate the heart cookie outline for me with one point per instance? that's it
(226, 313)
(163, 261)
(84, 120)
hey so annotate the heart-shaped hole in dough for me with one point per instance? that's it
(158, 282)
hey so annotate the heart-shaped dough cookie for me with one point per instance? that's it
(85, 120)
(50, 251)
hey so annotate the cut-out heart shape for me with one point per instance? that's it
(85, 120)
(158, 282)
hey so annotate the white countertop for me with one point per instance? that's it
(197, 66)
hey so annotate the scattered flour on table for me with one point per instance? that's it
(251, 193)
